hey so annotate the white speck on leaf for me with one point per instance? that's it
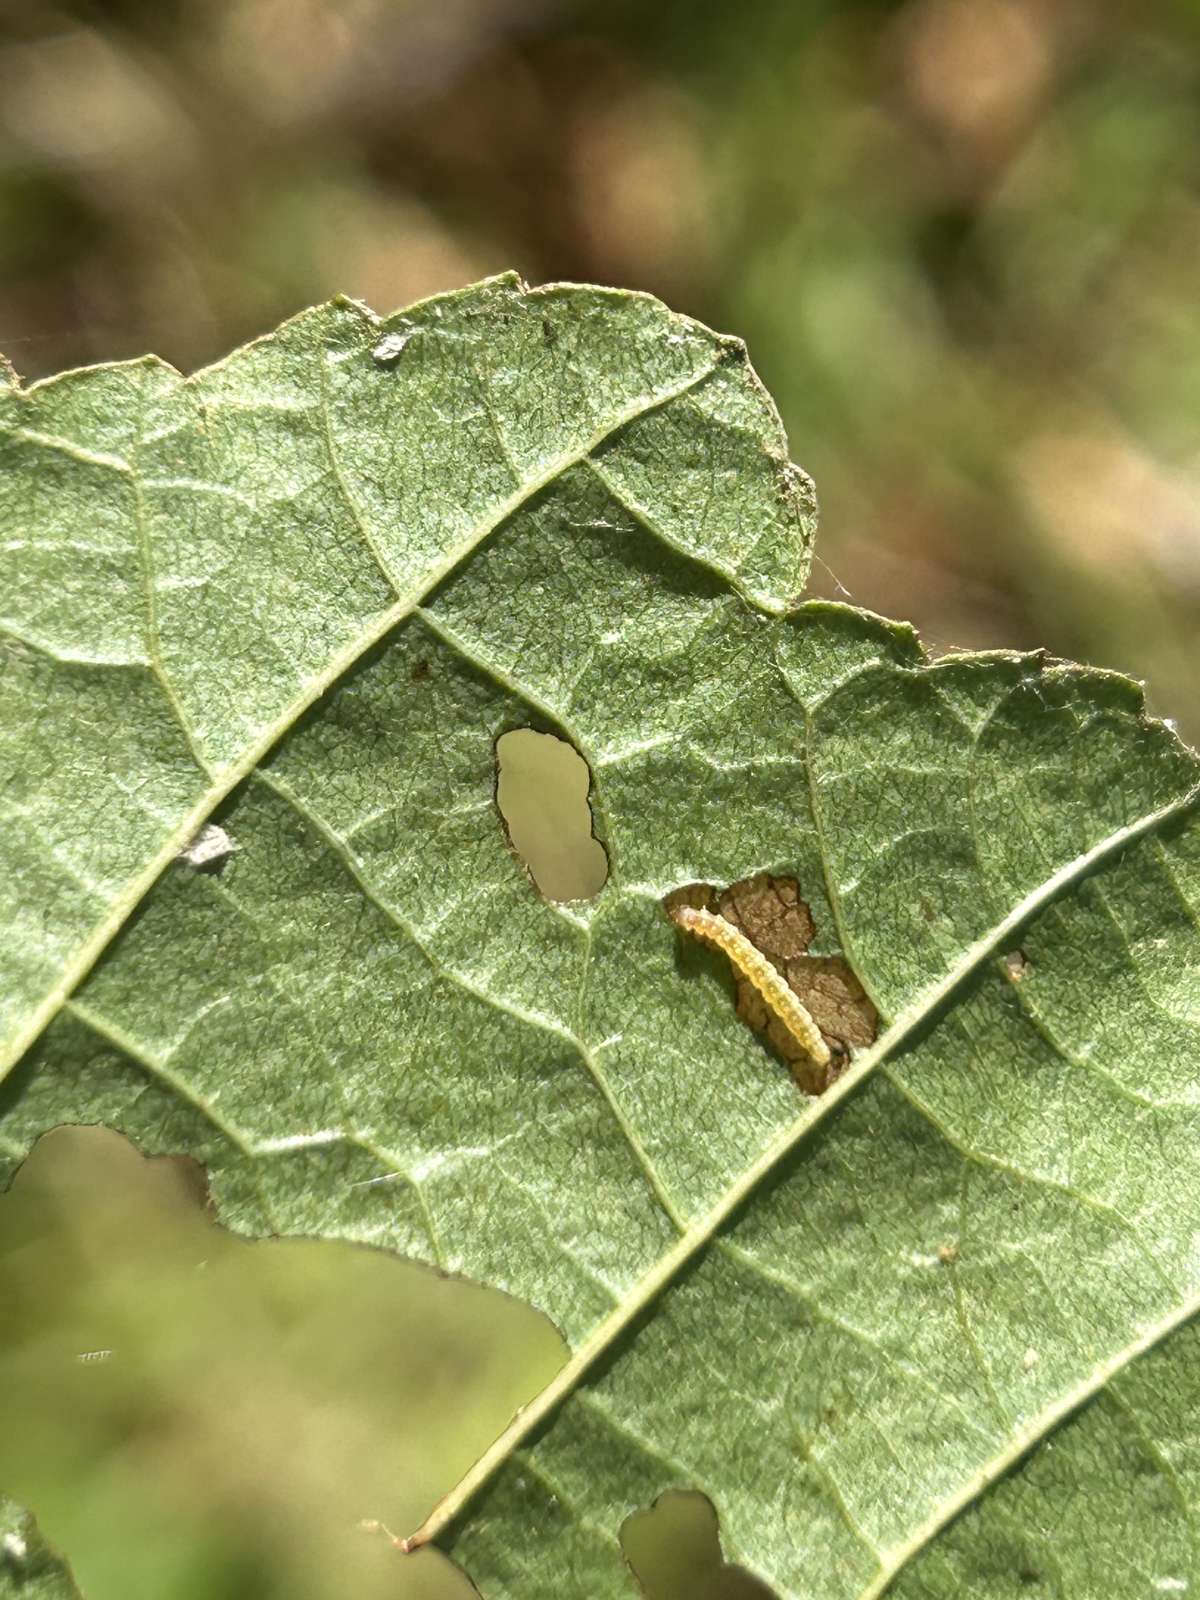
(390, 348)
(1016, 965)
(210, 845)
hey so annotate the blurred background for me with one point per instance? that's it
(961, 238)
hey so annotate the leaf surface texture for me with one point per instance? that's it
(300, 596)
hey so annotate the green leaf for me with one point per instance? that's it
(29, 1570)
(301, 596)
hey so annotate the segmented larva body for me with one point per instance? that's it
(755, 967)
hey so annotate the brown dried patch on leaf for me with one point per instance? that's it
(840, 1008)
(774, 916)
(771, 914)
(835, 997)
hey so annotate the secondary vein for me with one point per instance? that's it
(703, 1229)
(227, 778)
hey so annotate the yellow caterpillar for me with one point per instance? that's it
(755, 967)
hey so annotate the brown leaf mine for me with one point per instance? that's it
(770, 915)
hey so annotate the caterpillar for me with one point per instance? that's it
(755, 967)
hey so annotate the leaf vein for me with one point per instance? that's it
(88, 951)
(531, 1019)
(703, 1229)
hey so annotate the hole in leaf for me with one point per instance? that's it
(192, 1414)
(542, 792)
(675, 1552)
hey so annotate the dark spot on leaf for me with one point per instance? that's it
(420, 671)
(549, 332)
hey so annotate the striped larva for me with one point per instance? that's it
(755, 967)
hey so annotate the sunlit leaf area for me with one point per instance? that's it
(358, 1079)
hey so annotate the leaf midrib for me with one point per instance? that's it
(226, 779)
(701, 1232)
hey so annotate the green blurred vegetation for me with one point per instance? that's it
(199, 1417)
(961, 239)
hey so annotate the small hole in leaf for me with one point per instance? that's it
(675, 1552)
(542, 792)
